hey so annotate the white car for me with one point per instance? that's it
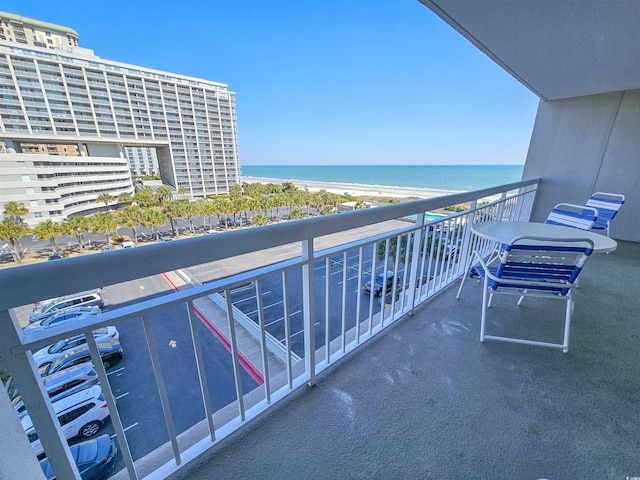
(80, 415)
(52, 352)
(61, 384)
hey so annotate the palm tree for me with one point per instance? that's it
(163, 194)
(208, 208)
(103, 223)
(14, 231)
(191, 210)
(173, 210)
(48, 230)
(153, 219)
(146, 198)
(182, 192)
(105, 198)
(126, 198)
(259, 219)
(130, 217)
(15, 211)
(77, 226)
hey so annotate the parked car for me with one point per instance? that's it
(61, 384)
(379, 283)
(109, 248)
(95, 458)
(58, 256)
(80, 415)
(63, 316)
(110, 353)
(51, 353)
(128, 244)
(48, 307)
(227, 222)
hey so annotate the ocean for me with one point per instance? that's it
(440, 177)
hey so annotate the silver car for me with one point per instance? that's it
(58, 318)
(48, 307)
(51, 353)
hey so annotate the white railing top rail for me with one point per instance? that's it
(30, 283)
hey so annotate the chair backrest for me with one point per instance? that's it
(608, 205)
(575, 216)
(543, 264)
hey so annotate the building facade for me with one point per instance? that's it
(28, 31)
(142, 160)
(69, 96)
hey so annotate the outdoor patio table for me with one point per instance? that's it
(504, 232)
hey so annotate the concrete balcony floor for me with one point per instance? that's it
(426, 399)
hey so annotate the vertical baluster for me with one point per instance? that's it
(263, 341)
(162, 390)
(204, 387)
(234, 353)
(309, 310)
(287, 325)
(327, 309)
(345, 279)
(359, 291)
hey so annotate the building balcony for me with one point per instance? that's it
(283, 307)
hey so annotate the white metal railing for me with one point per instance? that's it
(318, 316)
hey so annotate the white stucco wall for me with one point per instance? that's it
(17, 459)
(588, 144)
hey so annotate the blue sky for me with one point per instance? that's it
(322, 82)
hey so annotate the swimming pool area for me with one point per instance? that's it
(429, 217)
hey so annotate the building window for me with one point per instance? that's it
(26, 178)
(29, 190)
(33, 203)
(37, 214)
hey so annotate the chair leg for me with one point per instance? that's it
(567, 324)
(484, 307)
(521, 299)
(489, 302)
(464, 277)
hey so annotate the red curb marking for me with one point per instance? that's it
(253, 372)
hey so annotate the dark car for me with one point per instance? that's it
(110, 353)
(227, 222)
(379, 283)
(58, 256)
(94, 458)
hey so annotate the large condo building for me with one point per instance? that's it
(62, 100)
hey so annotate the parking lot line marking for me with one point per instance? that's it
(300, 331)
(282, 318)
(115, 371)
(123, 395)
(264, 308)
(125, 429)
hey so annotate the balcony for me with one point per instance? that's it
(424, 394)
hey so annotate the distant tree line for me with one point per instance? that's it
(250, 203)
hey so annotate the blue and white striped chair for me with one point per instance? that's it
(575, 216)
(534, 267)
(608, 205)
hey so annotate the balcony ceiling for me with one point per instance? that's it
(556, 48)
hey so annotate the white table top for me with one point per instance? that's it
(504, 232)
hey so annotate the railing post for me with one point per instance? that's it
(27, 380)
(415, 261)
(503, 198)
(466, 252)
(308, 310)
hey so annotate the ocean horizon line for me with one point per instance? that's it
(382, 165)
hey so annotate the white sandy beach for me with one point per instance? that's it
(356, 190)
